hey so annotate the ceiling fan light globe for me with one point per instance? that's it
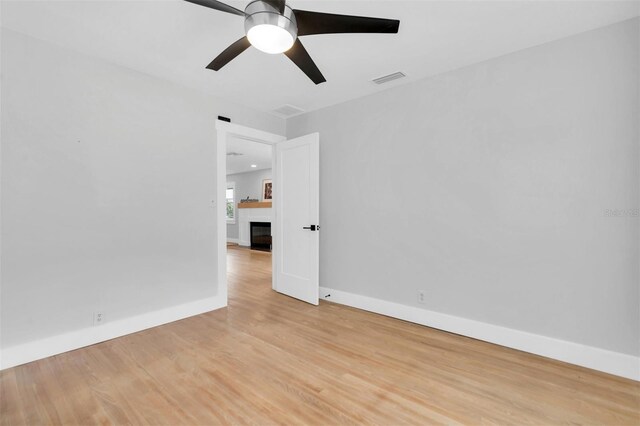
(268, 29)
(270, 38)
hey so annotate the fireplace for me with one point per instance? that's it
(260, 236)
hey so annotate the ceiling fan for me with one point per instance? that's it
(273, 27)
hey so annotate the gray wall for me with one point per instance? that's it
(248, 184)
(107, 180)
(488, 187)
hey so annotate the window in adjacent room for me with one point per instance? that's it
(231, 202)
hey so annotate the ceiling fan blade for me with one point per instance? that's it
(276, 4)
(229, 54)
(214, 4)
(299, 55)
(310, 23)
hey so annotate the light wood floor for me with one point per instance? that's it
(271, 359)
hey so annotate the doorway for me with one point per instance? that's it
(241, 188)
(293, 215)
(249, 206)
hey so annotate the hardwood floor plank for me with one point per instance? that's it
(270, 359)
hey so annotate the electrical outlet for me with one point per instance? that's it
(98, 318)
(421, 296)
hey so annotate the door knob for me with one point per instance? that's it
(311, 227)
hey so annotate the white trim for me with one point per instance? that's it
(233, 240)
(221, 216)
(1, 352)
(246, 133)
(615, 363)
(224, 130)
(49, 346)
(274, 217)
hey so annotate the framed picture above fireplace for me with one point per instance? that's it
(266, 190)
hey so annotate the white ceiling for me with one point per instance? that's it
(255, 153)
(175, 40)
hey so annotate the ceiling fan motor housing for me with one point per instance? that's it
(273, 27)
(258, 13)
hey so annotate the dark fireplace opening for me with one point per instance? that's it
(260, 236)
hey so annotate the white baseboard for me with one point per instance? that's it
(233, 240)
(574, 353)
(38, 349)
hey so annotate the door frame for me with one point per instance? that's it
(224, 130)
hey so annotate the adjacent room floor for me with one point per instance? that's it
(268, 358)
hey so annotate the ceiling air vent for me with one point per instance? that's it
(287, 111)
(388, 78)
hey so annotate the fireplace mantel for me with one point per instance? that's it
(256, 205)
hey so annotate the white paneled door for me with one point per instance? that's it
(296, 195)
